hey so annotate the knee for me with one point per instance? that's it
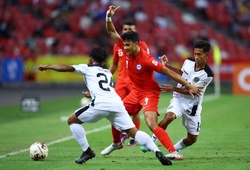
(69, 121)
(73, 119)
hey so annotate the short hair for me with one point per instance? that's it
(128, 22)
(202, 44)
(131, 36)
(98, 54)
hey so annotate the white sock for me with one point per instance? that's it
(180, 145)
(154, 138)
(144, 139)
(80, 135)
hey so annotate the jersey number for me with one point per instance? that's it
(104, 81)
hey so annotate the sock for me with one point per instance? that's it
(180, 145)
(144, 139)
(116, 135)
(165, 140)
(137, 125)
(80, 135)
(154, 138)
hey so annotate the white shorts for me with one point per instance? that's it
(117, 115)
(191, 122)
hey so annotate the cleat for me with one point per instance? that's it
(144, 149)
(85, 156)
(124, 137)
(175, 156)
(163, 159)
(132, 142)
(111, 148)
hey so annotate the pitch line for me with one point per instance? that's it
(206, 99)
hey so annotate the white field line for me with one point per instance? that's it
(206, 99)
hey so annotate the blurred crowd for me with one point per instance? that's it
(30, 28)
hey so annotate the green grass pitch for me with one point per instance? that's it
(222, 144)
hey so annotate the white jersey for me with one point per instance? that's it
(200, 78)
(106, 103)
(99, 82)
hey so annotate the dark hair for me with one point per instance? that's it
(202, 44)
(131, 36)
(128, 22)
(98, 54)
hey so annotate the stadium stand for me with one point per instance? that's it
(31, 28)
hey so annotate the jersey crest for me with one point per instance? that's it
(120, 52)
(138, 67)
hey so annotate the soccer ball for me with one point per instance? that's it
(38, 151)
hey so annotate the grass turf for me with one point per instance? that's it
(222, 144)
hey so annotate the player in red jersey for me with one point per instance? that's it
(123, 84)
(146, 92)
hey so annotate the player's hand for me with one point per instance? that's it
(166, 88)
(42, 67)
(195, 90)
(164, 60)
(86, 94)
(111, 10)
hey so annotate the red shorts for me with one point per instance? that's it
(123, 88)
(147, 101)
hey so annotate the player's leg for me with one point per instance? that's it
(122, 90)
(168, 118)
(117, 143)
(192, 125)
(81, 115)
(144, 139)
(136, 121)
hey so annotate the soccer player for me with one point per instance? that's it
(146, 92)
(123, 84)
(106, 103)
(196, 71)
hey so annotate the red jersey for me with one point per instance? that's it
(119, 55)
(141, 70)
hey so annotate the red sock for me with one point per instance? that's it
(137, 125)
(116, 135)
(163, 137)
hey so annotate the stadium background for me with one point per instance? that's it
(36, 32)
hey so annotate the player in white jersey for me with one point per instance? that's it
(195, 71)
(106, 103)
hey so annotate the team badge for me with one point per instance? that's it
(120, 53)
(138, 67)
(196, 79)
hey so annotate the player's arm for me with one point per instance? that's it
(59, 68)
(193, 90)
(110, 28)
(113, 66)
(164, 61)
(170, 88)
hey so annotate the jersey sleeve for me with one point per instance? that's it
(154, 64)
(120, 44)
(115, 53)
(81, 69)
(204, 81)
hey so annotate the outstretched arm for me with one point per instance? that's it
(109, 24)
(59, 68)
(193, 90)
(170, 88)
